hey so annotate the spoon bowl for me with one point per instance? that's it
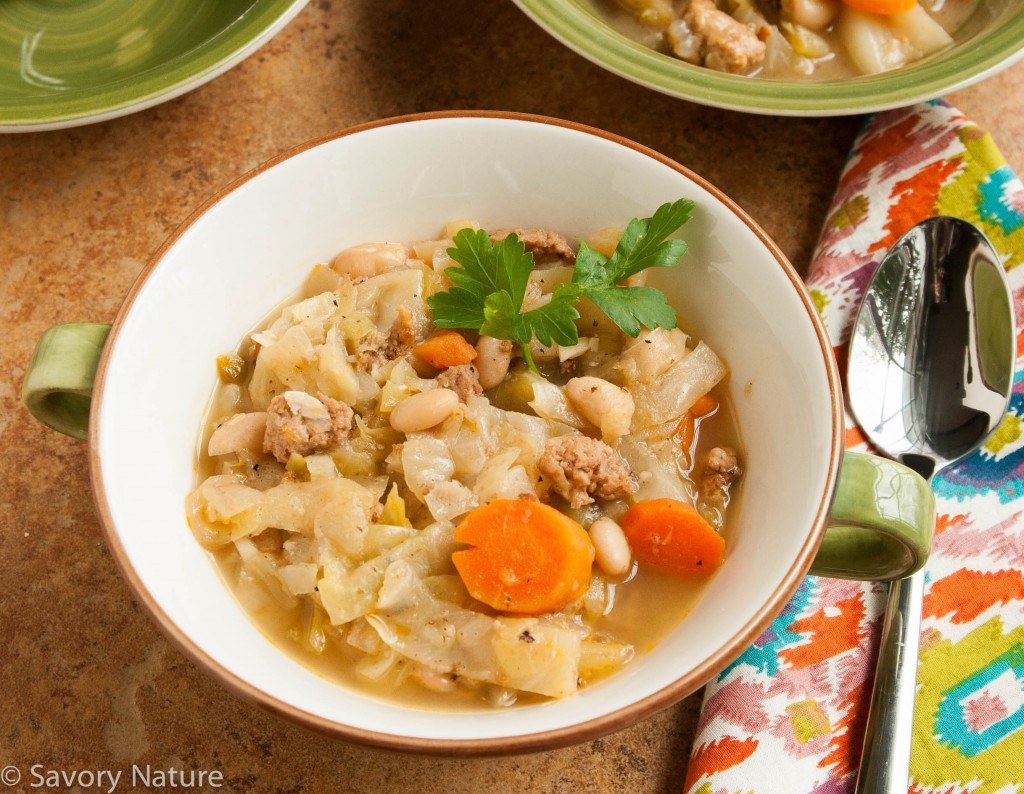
(929, 378)
(931, 356)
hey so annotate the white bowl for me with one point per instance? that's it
(251, 246)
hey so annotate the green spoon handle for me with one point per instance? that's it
(881, 522)
(58, 387)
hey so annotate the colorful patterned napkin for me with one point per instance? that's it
(788, 715)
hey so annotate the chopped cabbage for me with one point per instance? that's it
(350, 594)
(383, 294)
(426, 462)
(678, 388)
(549, 402)
(335, 376)
(450, 499)
(355, 538)
(501, 478)
(226, 497)
(529, 654)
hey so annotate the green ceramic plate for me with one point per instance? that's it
(64, 63)
(990, 40)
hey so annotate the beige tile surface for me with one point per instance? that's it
(86, 680)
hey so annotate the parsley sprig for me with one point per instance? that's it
(488, 289)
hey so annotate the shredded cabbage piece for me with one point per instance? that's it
(529, 654)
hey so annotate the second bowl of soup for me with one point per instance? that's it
(797, 57)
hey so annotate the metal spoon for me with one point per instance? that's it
(929, 377)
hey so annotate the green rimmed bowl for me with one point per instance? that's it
(991, 40)
(65, 63)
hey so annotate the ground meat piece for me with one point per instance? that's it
(464, 380)
(720, 469)
(708, 36)
(723, 461)
(547, 247)
(300, 423)
(570, 367)
(583, 469)
(269, 541)
(376, 348)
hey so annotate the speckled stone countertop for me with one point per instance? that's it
(86, 679)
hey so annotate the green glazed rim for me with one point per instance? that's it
(58, 386)
(117, 94)
(982, 48)
(881, 522)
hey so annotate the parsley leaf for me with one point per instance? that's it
(641, 246)
(488, 293)
(488, 268)
(490, 285)
(458, 307)
(553, 321)
(633, 307)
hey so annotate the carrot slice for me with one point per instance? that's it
(684, 432)
(526, 557)
(704, 405)
(445, 349)
(671, 536)
(885, 7)
(687, 427)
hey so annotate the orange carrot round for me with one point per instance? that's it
(525, 557)
(445, 349)
(671, 536)
(885, 7)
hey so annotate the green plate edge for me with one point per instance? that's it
(575, 26)
(178, 76)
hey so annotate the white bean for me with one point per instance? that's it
(611, 550)
(424, 410)
(241, 431)
(370, 259)
(812, 14)
(602, 403)
(492, 359)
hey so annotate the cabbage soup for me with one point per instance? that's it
(792, 39)
(473, 471)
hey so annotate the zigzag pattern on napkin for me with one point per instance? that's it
(787, 716)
